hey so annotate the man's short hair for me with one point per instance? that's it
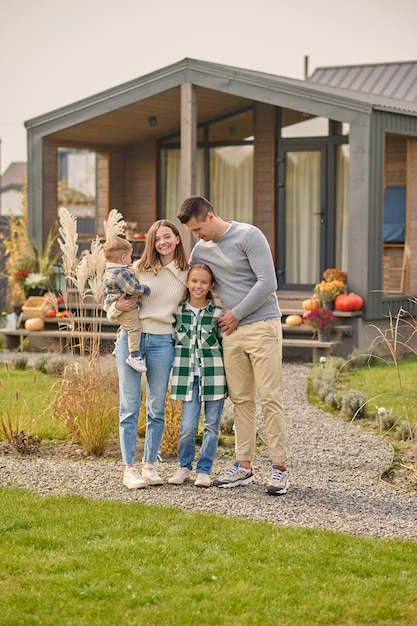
(197, 207)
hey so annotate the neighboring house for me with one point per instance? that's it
(11, 195)
(311, 164)
(11, 188)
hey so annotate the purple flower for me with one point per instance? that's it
(320, 319)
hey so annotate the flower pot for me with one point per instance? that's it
(328, 304)
(324, 335)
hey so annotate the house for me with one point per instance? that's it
(315, 165)
(11, 189)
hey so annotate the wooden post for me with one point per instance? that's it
(188, 149)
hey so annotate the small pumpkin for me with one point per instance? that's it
(348, 302)
(294, 320)
(311, 303)
(34, 324)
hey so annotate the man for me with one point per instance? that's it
(240, 258)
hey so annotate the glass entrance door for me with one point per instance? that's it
(302, 218)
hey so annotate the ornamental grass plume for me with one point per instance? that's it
(320, 319)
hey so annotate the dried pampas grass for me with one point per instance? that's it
(114, 225)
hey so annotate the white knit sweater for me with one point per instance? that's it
(167, 291)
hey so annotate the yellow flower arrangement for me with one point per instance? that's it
(331, 273)
(326, 291)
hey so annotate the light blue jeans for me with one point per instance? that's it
(189, 425)
(158, 352)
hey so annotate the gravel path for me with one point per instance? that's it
(334, 467)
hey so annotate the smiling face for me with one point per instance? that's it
(199, 283)
(165, 243)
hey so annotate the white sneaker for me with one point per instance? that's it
(150, 474)
(137, 363)
(133, 480)
(180, 477)
(202, 480)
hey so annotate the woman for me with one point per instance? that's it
(163, 268)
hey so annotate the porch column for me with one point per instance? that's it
(188, 149)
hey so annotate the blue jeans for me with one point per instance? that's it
(158, 352)
(189, 425)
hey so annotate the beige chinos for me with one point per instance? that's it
(252, 359)
(130, 321)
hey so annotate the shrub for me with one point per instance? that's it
(15, 416)
(20, 362)
(55, 366)
(169, 443)
(407, 431)
(40, 363)
(354, 403)
(87, 403)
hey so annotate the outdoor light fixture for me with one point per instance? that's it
(152, 120)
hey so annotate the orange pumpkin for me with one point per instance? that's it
(311, 303)
(34, 324)
(348, 302)
(294, 320)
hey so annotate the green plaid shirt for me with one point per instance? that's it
(198, 335)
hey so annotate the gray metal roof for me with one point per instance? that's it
(310, 96)
(392, 80)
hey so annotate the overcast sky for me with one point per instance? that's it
(55, 52)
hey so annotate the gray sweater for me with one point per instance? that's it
(244, 272)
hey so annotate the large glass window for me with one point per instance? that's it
(224, 172)
(77, 174)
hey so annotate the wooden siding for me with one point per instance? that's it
(264, 171)
(412, 213)
(141, 185)
(395, 175)
(102, 189)
(117, 158)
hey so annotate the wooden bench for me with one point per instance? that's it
(320, 348)
(305, 339)
(63, 338)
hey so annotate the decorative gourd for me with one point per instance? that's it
(348, 302)
(294, 320)
(311, 303)
(34, 324)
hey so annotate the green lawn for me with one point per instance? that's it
(26, 397)
(388, 386)
(71, 561)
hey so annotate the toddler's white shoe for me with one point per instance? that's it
(137, 363)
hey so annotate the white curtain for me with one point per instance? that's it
(231, 177)
(302, 217)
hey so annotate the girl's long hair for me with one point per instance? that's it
(150, 259)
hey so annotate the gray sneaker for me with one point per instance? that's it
(279, 484)
(234, 477)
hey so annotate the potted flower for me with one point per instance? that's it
(321, 320)
(332, 273)
(130, 230)
(326, 291)
(35, 283)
